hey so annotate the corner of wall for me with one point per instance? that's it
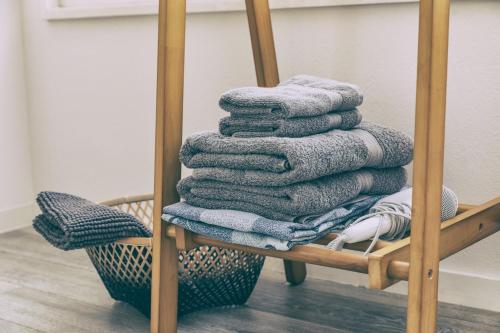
(17, 217)
(16, 193)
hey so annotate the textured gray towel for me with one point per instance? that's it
(258, 126)
(272, 161)
(301, 96)
(69, 222)
(254, 230)
(287, 203)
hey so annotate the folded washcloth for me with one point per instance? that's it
(253, 230)
(301, 96)
(257, 126)
(69, 222)
(272, 161)
(286, 203)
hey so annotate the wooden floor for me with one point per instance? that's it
(46, 290)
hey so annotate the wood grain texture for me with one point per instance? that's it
(261, 35)
(9, 327)
(168, 140)
(428, 165)
(311, 253)
(43, 291)
(245, 319)
(378, 311)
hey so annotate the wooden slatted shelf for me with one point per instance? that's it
(389, 262)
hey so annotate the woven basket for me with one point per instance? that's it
(208, 276)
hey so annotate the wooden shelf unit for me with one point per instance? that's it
(415, 258)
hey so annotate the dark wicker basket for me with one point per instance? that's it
(208, 276)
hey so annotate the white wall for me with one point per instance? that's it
(16, 192)
(92, 92)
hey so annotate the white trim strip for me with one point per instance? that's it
(54, 11)
(17, 217)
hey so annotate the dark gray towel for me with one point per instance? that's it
(272, 161)
(69, 222)
(289, 203)
(301, 96)
(262, 126)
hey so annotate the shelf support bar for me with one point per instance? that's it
(169, 103)
(266, 69)
(428, 165)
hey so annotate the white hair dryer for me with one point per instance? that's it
(389, 217)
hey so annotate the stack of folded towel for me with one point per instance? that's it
(290, 164)
(301, 106)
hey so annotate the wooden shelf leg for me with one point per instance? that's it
(428, 165)
(169, 102)
(295, 271)
(164, 291)
(266, 69)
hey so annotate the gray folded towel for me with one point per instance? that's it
(261, 126)
(257, 231)
(69, 222)
(289, 203)
(301, 96)
(272, 161)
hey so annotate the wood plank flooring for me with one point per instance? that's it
(44, 290)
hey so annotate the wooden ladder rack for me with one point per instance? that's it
(415, 258)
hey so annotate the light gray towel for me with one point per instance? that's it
(301, 96)
(262, 126)
(257, 231)
(289, 203)
(272, 161)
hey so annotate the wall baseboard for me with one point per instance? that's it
(17, 217)
(454, 287)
